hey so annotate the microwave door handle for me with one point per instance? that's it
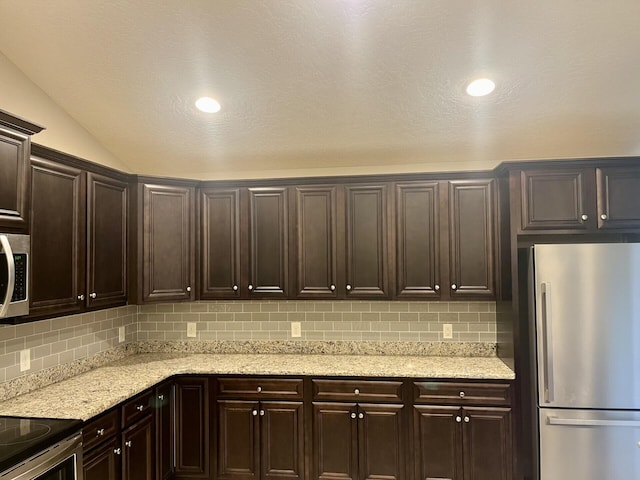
(11, 274)
(547, 348)
(582, 422)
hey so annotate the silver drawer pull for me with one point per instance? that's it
(140, 408)
(100, 432)
(356, 391)
(128, 443)
(117, 451)
(161, 397)
(461, 394)
(259, 389)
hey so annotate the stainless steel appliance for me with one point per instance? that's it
(586, 301)
(40, 449)
(14, 275)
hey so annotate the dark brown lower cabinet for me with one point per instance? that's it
(260, 440)
(470, 443)
(138, 451)
(358, 441)
(164, 431)
(103, 462)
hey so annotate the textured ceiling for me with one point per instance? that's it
(335, 86)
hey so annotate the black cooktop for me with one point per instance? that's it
(21, 437)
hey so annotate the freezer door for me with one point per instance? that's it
(589, 445)
(588, 325)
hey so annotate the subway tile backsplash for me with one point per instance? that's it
(76, 338)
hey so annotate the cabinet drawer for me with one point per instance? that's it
(357, 390)
(462, 393)
(137, 408)
(260, 387)
(100, 429)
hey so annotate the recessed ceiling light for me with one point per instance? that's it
(208, 105)
(480, 87)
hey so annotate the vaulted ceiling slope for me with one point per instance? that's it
(335, 86)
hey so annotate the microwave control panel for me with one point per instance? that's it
(20, 288)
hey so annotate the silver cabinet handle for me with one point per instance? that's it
(262, 413)
(160, 397)
(584, 217)
(259, 389)
(585, 422)
(466, 419)
(458, 418)
(250, 287)
(356, 391)
(348, 287)
(235, 288)
(361, 415)
(11, 274)
(604, 216)
(93, 294)
(100, 432)
(80, 297)
(140, 408)
(353, 415)
(117, 451)
(454, 286)
(461, 394)
(254, 413)
(128, 443)
(547, 345)
(188, 289)
(436, 287)
(332, 287)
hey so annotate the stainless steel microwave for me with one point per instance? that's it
(14, 275)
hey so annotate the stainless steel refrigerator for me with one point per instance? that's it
(587, 354)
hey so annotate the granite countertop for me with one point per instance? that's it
(89, 394)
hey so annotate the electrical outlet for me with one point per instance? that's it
(296, 329)
(447, 330)
(25, 360)
(191, 329)
(120, 334)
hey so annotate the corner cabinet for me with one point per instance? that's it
(168, 243)
(15, 187)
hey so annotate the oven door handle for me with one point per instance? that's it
(11, 274)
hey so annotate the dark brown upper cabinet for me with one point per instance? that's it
(341, 241)
(168, 244)
(15, 183)
(579, 199)
(78, 227)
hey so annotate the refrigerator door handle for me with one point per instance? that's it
(547, 346)
(582, 422)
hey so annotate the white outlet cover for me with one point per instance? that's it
(25, 360)
(447, 330)
(191, 329)
(121, 333)
(296, 329)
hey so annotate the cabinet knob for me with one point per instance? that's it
(140, 408)
(80, 297)
(262, 413)
(128, 443)
(332, 287)
(436, 287)
(235, 288)
(353, 414)
(604, 216)
(250, 287)
(348, 287)
(461, 394)
(188, 289)
(117, 451)
(458, 418)
(160, 397)
(93, 294)
(254, 413)
(584, 217)
(361, 415)
(259, 389)
(356, 391)
(454, 286)
(100, 432)
(466, 419)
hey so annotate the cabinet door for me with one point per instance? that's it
(220, 246)
(103, 462)
(381, 442)
(437, 442)
(366, 233)
(417, 240)
(192, 434)
(281, 441)
(555, 199)
(315, 240)
(487, 443)
(14, 181)
(168, 252)
(164, 431)
(106, 241)
(238, 440)
(268, 243)
(618, 197)
(335, 441)
(471, 239)
(57, 238)
(138, 451)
